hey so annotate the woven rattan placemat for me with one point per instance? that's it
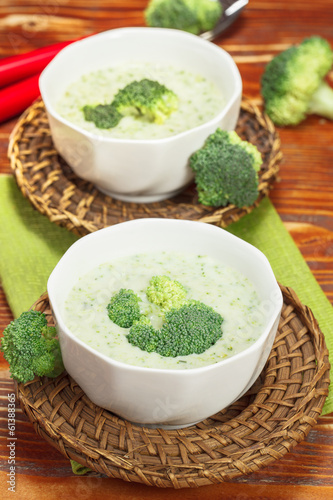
(55, 191)
(261, 427)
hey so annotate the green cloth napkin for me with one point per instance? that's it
(30, 247)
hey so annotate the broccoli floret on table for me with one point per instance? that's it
(146, 98)
(103, 115)
(123, 308)
(31, 347)
(166, 292)
(226, 170)
(293, 84)
(194, 16)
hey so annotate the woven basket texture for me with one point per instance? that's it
(55, 191)
(258, 429)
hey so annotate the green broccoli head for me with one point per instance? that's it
(293, 83)
(208, 13)
(143, 335)
(166, 292)
(226, 170)
(123, 308)
(31, 347)
(146, 98)
(103, 115)
(192, 328)
(188, 326)
(194, 16)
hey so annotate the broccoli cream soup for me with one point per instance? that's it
(199, 100)
(224, 289)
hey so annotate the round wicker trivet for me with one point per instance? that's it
(55, 191)
(261, 427)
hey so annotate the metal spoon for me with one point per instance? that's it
(231, 10)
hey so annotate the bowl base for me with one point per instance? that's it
(141, 198)
(166, 426)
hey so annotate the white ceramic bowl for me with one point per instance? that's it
(137, 170)
(163, 397)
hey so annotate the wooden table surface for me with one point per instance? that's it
(303, 198)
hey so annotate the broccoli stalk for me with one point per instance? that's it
(293, 84)
(194, 16)
(146, 99)
(31, 348)
(226, 170)
(321, 102)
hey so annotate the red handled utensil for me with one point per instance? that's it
(17, 97)
(19, 77)
(15, 68)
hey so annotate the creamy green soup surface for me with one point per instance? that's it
(199, 99)
(225, 289)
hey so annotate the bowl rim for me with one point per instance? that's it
(274, 315)
(113, 33)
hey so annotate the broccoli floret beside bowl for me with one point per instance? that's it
(144, 99)
(226, 170)
(194, 16)
(293, 84)
(31, 347)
